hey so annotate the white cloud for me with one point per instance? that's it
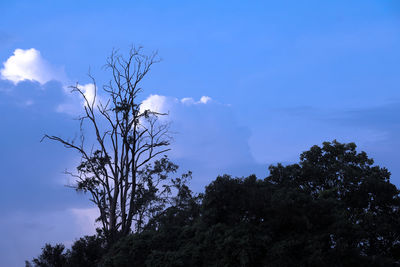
(89, 91)
(207, 137)
(167, 104)
(29, 65)
(157, 103)
(191, 101)
(73, 103)
(205, 99)
(188, 101)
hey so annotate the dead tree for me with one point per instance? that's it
(124, 171)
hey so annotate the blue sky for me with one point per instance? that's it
(281, 76)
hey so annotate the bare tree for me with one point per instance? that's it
(124, 171)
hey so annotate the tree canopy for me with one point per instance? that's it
(333, 208)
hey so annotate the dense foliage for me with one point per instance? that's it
(333, 208)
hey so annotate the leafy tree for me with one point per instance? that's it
(123, 170)
(156, 245)
(86, 252)
(333, 208)
(50, 257)
(361, 208)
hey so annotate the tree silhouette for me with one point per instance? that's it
(124, 171)
(50, 257)
(333, 208)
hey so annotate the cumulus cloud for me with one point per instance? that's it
(157, 103)
(207, 137)
(89, 90)
(29, 65)
(29, 69)
(205, 99)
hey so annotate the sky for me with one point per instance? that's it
(247, 84)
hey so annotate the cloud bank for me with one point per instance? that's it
(208, 138)
(29, 65)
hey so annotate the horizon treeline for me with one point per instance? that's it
(333, 208)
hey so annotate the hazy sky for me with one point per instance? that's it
(247, 84)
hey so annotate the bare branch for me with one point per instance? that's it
(116, 170)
